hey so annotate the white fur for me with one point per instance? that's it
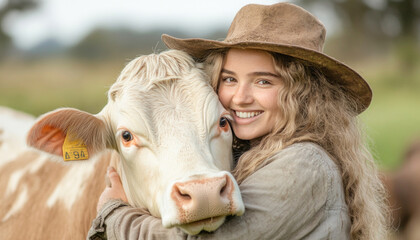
(14, 126)
(14, 181)
(68, 190)
(31, 167)
(20, 202)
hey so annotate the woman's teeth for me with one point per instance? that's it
(247, 114)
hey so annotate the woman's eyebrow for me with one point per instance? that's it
(259, 74)
(227, 71)
(253, 73)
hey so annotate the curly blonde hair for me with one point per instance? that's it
(317, 110)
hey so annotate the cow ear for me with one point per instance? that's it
(50, 131)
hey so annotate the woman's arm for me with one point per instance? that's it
(116, 219)
(286, 199)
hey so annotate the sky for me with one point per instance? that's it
(68, 21)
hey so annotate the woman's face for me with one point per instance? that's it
(248, 89)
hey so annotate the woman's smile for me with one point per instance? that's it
(247, 114)
(245, 117)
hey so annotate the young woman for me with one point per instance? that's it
(304, 170)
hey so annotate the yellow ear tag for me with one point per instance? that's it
(74, 149)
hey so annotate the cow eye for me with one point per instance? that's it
(126, 135)
(223, 122)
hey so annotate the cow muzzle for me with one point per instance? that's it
(204, 203)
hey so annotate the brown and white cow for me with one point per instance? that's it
(174, 150)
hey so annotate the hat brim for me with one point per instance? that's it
(336, 72)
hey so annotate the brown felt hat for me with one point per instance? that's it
(282, 28)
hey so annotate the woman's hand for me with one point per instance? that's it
(115, 191)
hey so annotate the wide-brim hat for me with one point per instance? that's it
(282, 28)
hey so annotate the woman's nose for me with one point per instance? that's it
(242, 95)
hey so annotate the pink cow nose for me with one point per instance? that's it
(204, 198)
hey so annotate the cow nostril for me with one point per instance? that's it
(222, 190)
(181, 194)
(184, 196)
(226, 188)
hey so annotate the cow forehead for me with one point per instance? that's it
(149, 70)
(182, 106)
(194, 109)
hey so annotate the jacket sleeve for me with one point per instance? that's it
(119, 221)
(283, 200)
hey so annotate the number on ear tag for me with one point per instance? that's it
(74, 149)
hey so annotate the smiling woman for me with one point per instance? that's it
(308, 173)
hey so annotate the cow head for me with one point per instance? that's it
(173, 137)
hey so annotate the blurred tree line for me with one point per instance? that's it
(374, 26)
(8, 7)
(381, 19)
(365, 27)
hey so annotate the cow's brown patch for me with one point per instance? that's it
(35, 220)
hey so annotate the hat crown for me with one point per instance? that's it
(286, 29)
(280, 23)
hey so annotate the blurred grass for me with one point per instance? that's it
(393, 118)
(41, 85)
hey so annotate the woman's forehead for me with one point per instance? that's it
(248, 60)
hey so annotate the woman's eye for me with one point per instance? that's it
(228, 79)
(263, 82)
(126, 136)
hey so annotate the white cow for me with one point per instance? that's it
(174, 144)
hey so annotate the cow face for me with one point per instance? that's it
(173, 137)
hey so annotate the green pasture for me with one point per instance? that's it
(39, 86)
(393, 119)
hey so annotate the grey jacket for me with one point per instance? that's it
(298, 195)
